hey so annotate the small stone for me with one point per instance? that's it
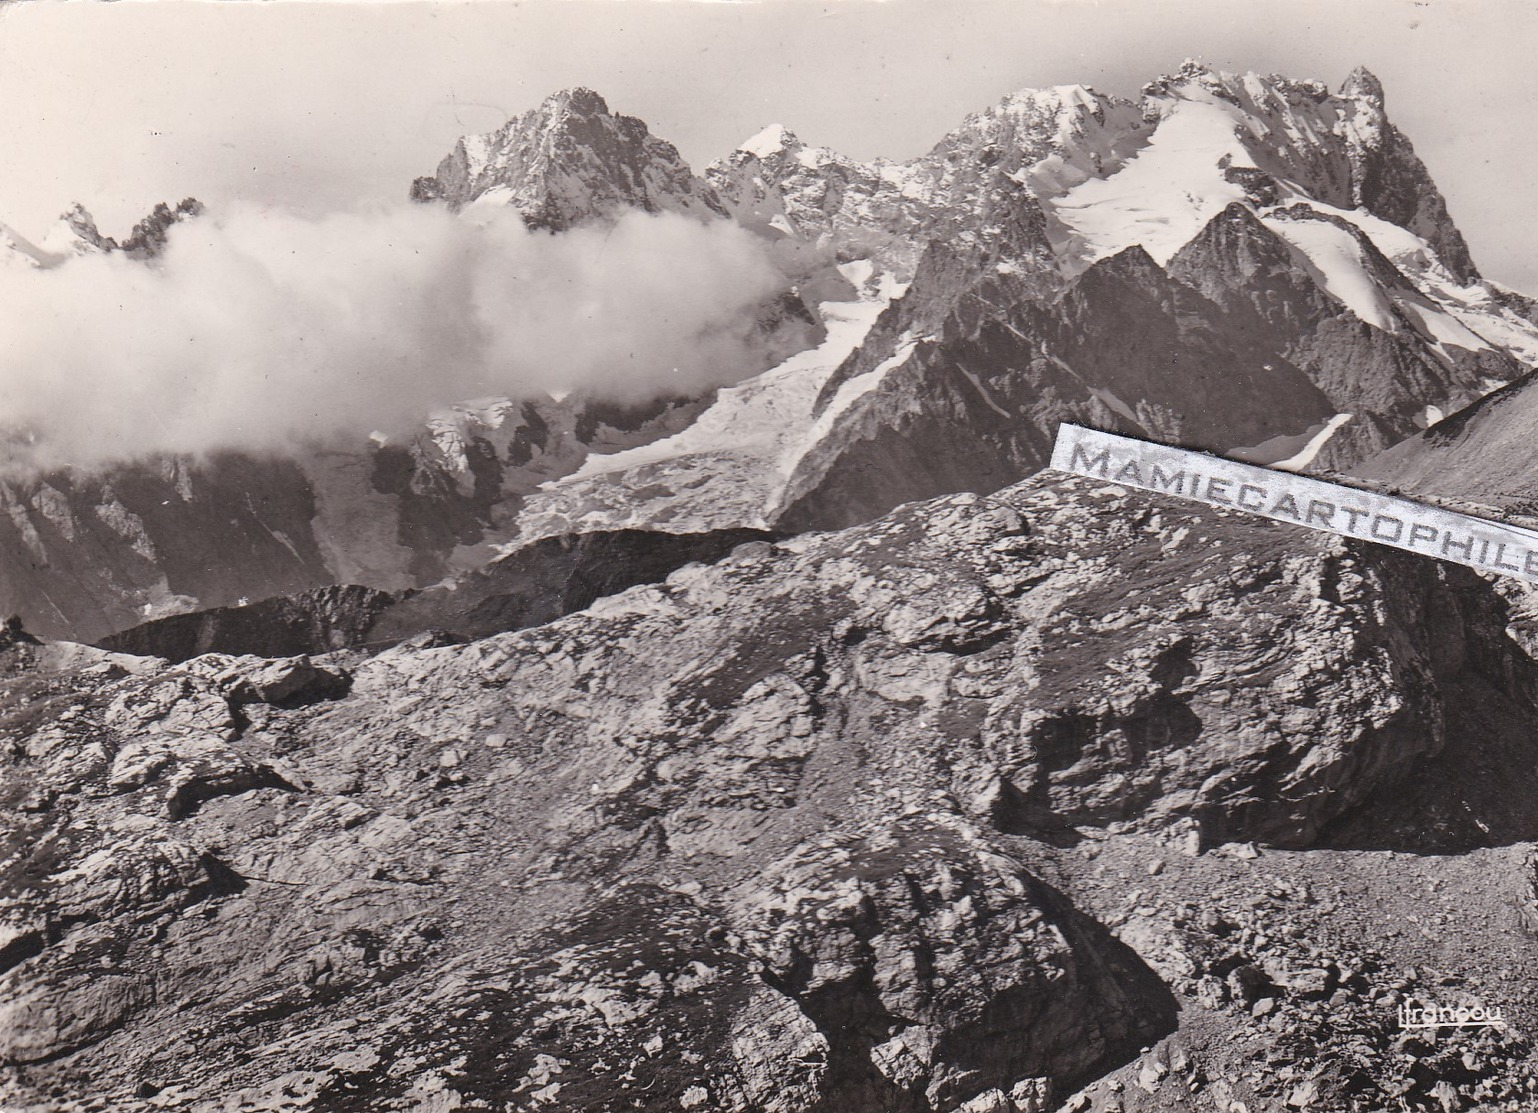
(1032, 1095)
(1155, 868)
(1211, 992)
(1308, 982)
(496, 741)
(1248, 984)
(989, 1101)
(1191, 847)
(1448, 1096)
(1246, 850)
(449, 759)
(1264, 1007)
(1304, 1094)
(694, 1096)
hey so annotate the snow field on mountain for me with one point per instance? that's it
(1317, 440)
(761, 414)
(1333, 259)
(727, 468)
(1464, 316)
(17, 250)
(1163, 196)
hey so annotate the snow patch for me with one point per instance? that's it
(16, 249)
(477, 154)
(1441, 326)
(982, 391)
(771, 141)
(1116, 404)
(1164, 195)
(1316, 442)
(848, 394)
(495, 197)
(1333, 258)
(729, 466)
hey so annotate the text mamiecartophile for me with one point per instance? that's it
(1284, 497)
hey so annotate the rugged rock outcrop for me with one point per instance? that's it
(795, 831)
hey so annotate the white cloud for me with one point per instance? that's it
(260, 328)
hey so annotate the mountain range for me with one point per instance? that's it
(802, 745)
(1250, 265)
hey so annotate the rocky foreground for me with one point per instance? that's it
(1067, 797)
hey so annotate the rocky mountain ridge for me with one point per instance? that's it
(75, 233)
(84, 554)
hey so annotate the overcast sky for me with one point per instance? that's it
(325, 106)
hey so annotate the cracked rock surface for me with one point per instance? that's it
(857, 821)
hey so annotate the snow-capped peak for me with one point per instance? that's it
(1362, 82)
(580, 100)
(773, 140)
(75, 233)
(568, 160)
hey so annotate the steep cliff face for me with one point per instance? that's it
(567, 161)
(82, 554)
(798, 831)
(1126, 347)
(1380, 369)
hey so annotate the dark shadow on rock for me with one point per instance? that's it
(1014, 812)
(532, 585)
(1094, 1014)
(550, 578)
(190, 795)
(318, 621)
(1477, 791)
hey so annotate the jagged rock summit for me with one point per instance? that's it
(566, 161)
